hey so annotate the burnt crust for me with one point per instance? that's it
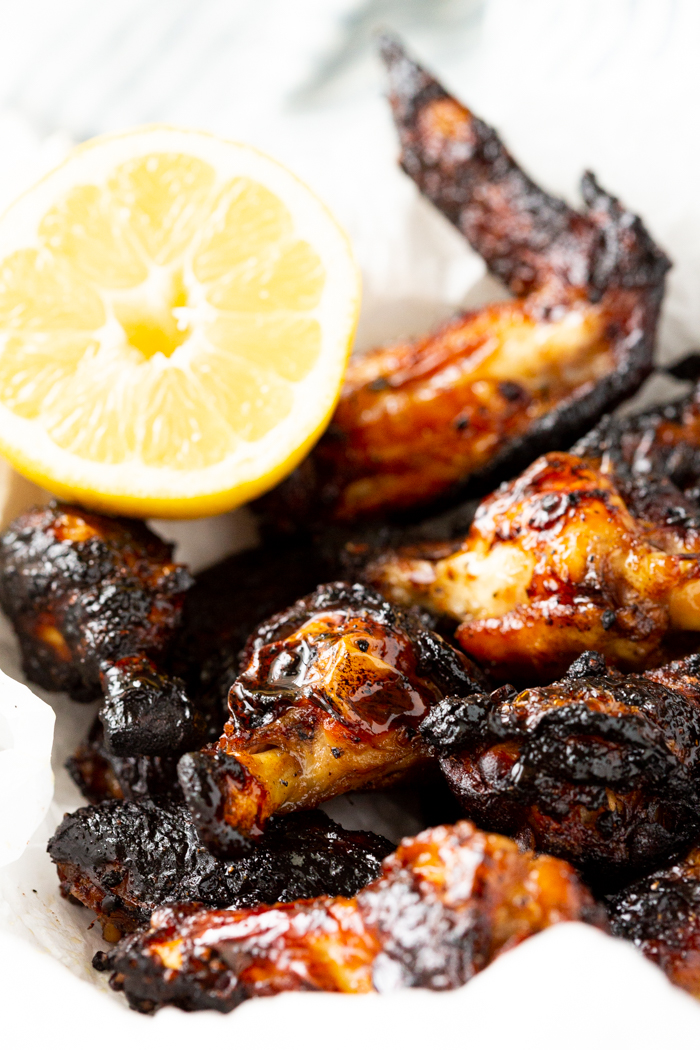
(124, 859)
(101, 775)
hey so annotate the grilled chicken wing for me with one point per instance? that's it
(96, 603)
(661, 915)
(123, 859)
(600, 768)
(329, 700)
(449, 902)
(486, 393)
(220, 610)
(81, 589)
(557, 562)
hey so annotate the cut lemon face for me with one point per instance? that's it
(176, 313)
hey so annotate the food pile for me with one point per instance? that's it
(531, 663)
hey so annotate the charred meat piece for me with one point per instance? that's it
(147, 711)
(329, 700)
(661, 915)
(448, 902)
(123, 859)
(96, 603)
(557, 562)
(102, 775)
(489, 391)
(83, 589)
(600, 768)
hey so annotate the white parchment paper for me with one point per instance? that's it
(608, 84)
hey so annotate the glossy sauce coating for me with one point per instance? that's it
(329, 699)
(556, 562)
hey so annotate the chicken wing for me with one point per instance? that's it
(82, 589)
(329, 700)
(123, 859)
(600, 768)
(448, 902)
(96, 603)
(481, 397)
(557, 562)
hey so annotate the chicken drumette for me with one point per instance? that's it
(600, 768)
(449, 902)
(329, 700)
(489, 391)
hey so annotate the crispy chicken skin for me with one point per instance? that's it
(661, 915)
(599, 768)
(490, 390)
(123, 859)
(557, 562)
(448, 902)
(329, 700)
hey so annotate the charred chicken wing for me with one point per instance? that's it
(96, 603)
(329, 700)
(123, 859)
(661, 915)
(448, 902)
(486, 393)
(600, 768)
(556, 562)
(82, 589)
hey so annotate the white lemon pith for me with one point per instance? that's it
(176, 313)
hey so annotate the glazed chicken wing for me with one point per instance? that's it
(486, 393)
(556, 562)
(329, 700)
(661, 915)
(449, 902)
(123, 859)
(600, 768)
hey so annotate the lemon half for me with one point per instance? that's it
(176, 313)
